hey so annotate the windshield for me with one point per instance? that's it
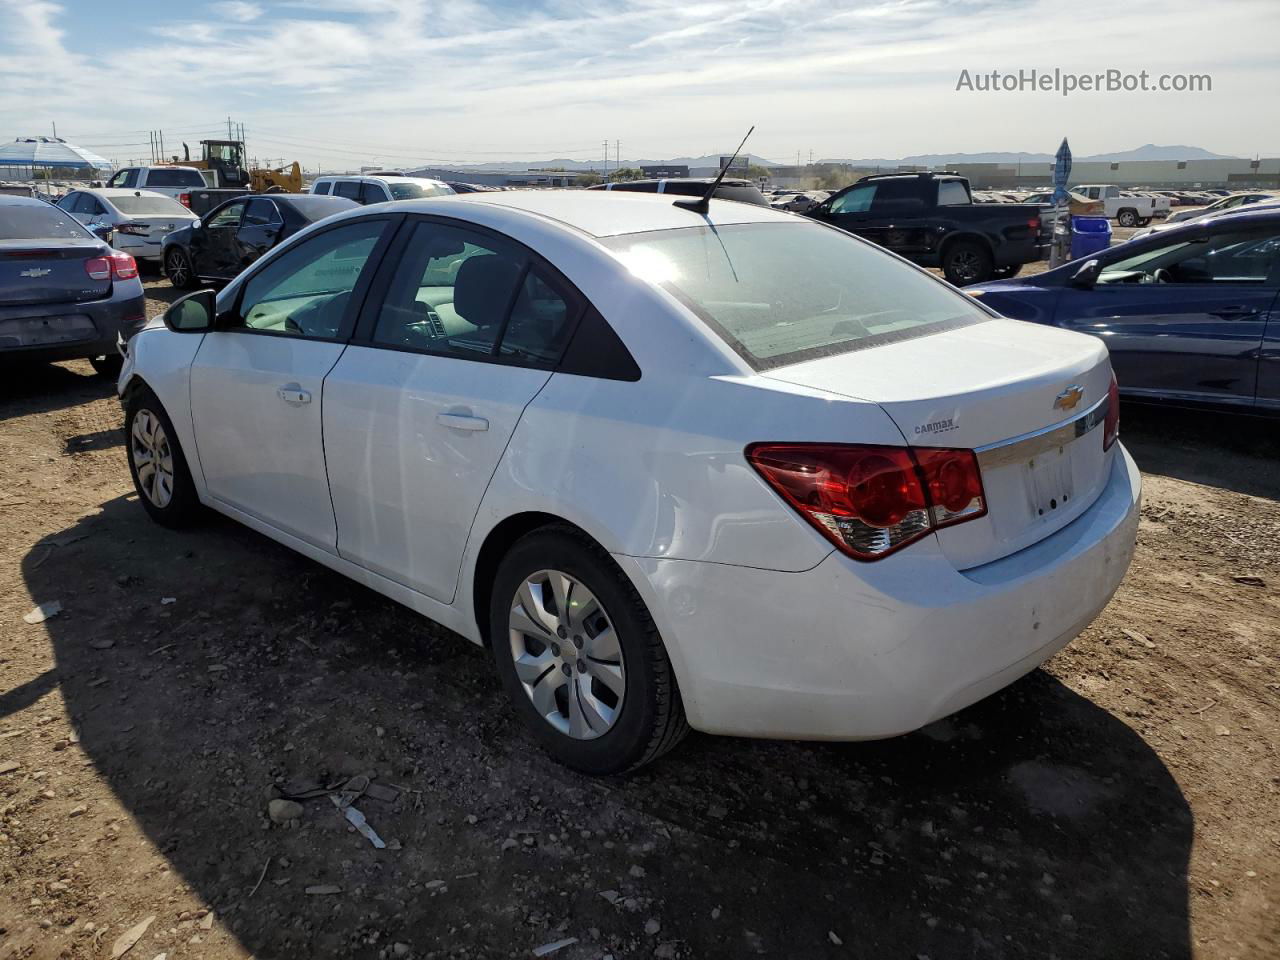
(39, 222)
(137, 206)
(781, 293)
(413, 191)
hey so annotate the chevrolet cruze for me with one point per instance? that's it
(728, 469)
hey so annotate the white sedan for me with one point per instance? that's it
(141, 219)
(737, 471)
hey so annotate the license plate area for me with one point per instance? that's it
(45, 331)
(1049, 481)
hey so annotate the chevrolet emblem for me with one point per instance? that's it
(1069, 397)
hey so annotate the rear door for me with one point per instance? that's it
(458, 336)
(259, 230)
(256, 382)
(347, 188)
(1185, 320)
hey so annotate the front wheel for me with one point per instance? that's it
(177, 267)
(580, 657)
(156, 462)
(965, 262)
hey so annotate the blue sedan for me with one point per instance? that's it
(1191, 314)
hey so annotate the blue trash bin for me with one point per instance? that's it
(1089, 235)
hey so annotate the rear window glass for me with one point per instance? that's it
(781, 293)
(39, 222)
(174, 178)
(137, 206)
(413, 191)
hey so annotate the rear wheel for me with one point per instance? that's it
(156, 463)
(580, 656)
(1127, 218)
(177, 267)
(967, 261)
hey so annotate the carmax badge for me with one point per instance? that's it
(1069, 397)
(34, 272)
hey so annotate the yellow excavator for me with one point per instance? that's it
(224, 161)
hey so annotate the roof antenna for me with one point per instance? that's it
(703, 204)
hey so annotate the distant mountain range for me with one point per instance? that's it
(1148, 151)
(711, 162)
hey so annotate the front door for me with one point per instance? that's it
(259, 230)
(421, 406)
(213, 247)
(1185, 320)
(257, 384)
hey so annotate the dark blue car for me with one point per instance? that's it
(1189, 314)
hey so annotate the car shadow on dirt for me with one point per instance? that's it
(199, 667)
(1221, 450)
(29, 388)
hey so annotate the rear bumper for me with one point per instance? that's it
(72, 331)
(849, 651)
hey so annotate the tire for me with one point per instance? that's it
(1127, 218)
(1144, 221)
(149, 431)
(1006, 273)
(967, 261)
(619, 726)
(107, 366)
(177, 267)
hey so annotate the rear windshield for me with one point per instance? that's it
(412, 191)
(138, 206)
(174, 178)
(38, 222)
(781, 293)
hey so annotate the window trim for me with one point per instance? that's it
(577, 303)
(359, 291)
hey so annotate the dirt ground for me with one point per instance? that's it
(1122, 802)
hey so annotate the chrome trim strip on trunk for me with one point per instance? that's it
(1029, 445)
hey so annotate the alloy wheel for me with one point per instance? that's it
(152, 457)
(965, 265)
(566, 654)
(177, 269)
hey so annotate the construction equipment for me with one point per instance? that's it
(223, 163)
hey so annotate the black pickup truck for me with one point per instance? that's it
(931, 219)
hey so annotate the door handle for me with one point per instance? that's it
(293, 393)
(462, 421)
(1236, 313)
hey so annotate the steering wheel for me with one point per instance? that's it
(1161, 275)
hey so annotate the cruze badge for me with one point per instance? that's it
(1069, 397)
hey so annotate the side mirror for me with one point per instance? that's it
(1087, 276)
(194, 313)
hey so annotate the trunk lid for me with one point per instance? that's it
(993, 387)
(50, 271)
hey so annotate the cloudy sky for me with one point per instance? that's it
(396, 82)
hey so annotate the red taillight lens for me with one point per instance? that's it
(98, 268)
(133, 229)
(872, 500)
(185, 199)
(1111, 425)
(123, 266)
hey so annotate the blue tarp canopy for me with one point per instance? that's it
(49, 152)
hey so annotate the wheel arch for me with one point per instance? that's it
(965, 235)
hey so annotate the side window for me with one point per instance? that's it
(261, 213)
(372, 193)
(898, 197)
(228, 216)
(540, 323)
(1235, 258)
(304, 292)
(118, 180)
(857, 200)
(322, 188)
(90, 205)
(951, 193)
(68, 203)
(347, 188)
(130, 178)
(451, 292)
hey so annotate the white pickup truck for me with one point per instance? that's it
(175, 182)
(1127, 208)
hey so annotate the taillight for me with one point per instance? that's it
(1111, 425)
(116, 266)
(133, 229)
(185, 199)
(1034, 224)
(871, 500)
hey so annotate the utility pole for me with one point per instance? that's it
(617, 154)
(55, 130)
(606, 159)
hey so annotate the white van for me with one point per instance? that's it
(378, 189)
